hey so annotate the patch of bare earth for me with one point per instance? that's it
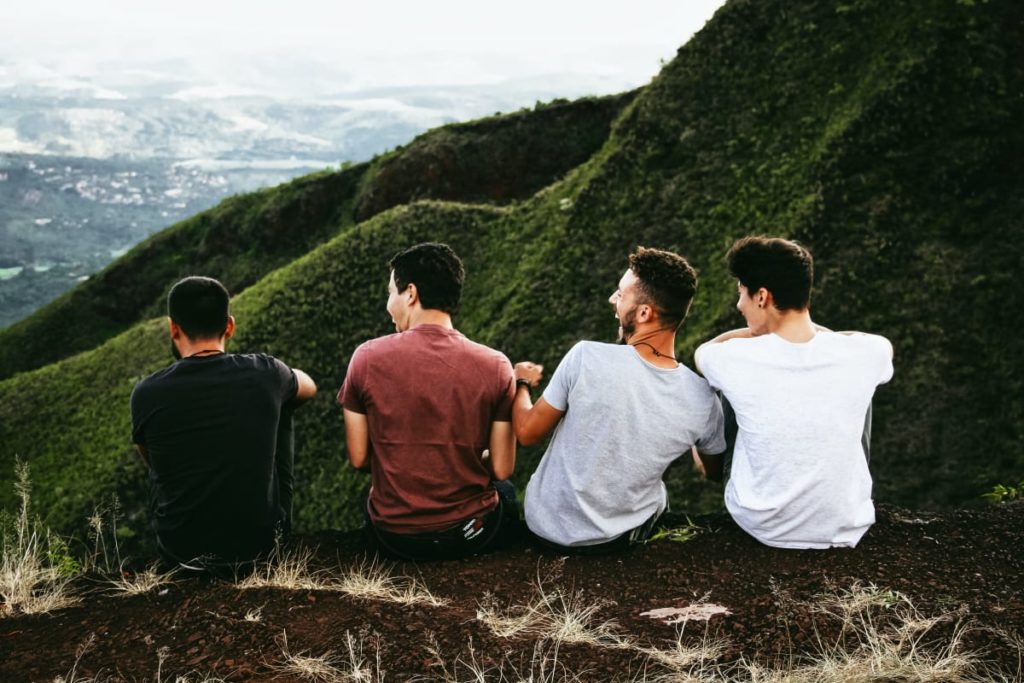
(924, 597)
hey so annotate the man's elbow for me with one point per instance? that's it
(525, 437)
(307, 387)
(502, 472)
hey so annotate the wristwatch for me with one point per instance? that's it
(523, 383)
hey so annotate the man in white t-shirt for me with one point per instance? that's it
(619, 414)
(800, 393)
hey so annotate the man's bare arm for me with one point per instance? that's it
(503, 450)
(710, 465)
(532, 422)
(357, 439)
(739, 333)
(307, 387)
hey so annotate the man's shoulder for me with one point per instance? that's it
(154, 379)
(483, 351)
(865, 341)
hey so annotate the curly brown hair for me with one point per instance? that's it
(667, 283)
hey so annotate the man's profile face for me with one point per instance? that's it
(397, 306)
(756, 317)
(623, 300)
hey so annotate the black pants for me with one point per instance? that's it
(624, 542)
(496, 529)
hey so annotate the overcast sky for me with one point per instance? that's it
(381, 43)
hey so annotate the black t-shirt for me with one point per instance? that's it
(209, 425)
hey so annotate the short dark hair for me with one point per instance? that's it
(783, 267)
(199, 306)
(436, 271)
(666, 281)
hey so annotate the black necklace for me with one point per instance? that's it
(209, 351)
(657, 353)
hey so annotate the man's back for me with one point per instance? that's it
(625, 421)
(429, 395)
(799, 475)
(209, 428)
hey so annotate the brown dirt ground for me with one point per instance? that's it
(965, 562)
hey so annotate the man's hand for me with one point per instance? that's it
(531, 422)
(531, 372)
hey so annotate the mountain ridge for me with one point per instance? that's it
(882, 136)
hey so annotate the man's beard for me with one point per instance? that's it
(174, 351)
(627, 325)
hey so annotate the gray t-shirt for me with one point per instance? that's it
(625, 422)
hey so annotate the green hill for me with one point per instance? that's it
(884, 136)
(494, 160)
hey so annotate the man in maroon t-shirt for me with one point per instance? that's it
(429, 413)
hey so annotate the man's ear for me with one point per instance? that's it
(646, 313)
(174, 329)
(230, 329)
(763, 298)
(412, 294)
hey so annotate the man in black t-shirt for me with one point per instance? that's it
(214, 428)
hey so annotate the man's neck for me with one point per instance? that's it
(200, 347)
(655, 345)
(793, 326)
(430, 316)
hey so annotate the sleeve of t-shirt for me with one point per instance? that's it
(708, 362)
(350, 396)
(506, 392)
(883, 357)
(558, 389)
(286, 379)
(712, 441)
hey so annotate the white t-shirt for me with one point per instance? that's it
(799, 476)
(625, 421)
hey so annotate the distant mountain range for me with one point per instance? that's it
(91, 166)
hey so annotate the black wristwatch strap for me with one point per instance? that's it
(522, 383)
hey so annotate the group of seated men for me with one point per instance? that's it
(435, 418)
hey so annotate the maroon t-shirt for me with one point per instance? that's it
(429, 396)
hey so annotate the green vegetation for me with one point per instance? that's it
(499, 159)
(885, 137)
(1001, 493)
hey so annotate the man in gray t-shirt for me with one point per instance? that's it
(619, 414)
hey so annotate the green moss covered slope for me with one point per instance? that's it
(494, 160)
(884, 136)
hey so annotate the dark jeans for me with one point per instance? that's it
(494, 530)
(637, 536)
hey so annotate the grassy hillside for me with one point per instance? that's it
(885, 137)
(494, 160)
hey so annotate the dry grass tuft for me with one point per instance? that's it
(554, 615)
(371, 580)
(352, 667)
(36, 570)
(691, 659)
(287, 570)
(543, 667)
(883, 637)
(141, 582)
